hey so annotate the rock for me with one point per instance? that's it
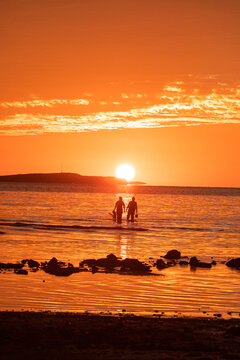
(171, 263)
(234, 263)
(213, 262)
(12, 266)
(204, 265)
(21, 272)
(33, 263)
(94, 269)
(88, 262)
(57, 268)
(217, 315)
(194, 262)
(183, 263)
(109, 262)
(134, 265)
(173, 255)
(58, 271)
(2, 232)
(53, 262)
(112, 257)
(160, 264)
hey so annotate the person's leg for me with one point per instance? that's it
(119, 217)
(132, 216)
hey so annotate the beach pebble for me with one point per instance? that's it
(217, 315)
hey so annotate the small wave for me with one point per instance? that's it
(75, 219)
(183, 228)
(70, 227)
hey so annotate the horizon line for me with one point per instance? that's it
(140, 183)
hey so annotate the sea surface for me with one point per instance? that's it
(202, 222)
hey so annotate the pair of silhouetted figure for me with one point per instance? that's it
(120, 208)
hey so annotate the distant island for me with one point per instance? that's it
(67, 178)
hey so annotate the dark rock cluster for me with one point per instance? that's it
(174, 257)
(11, 266)
(111, 264)
(59, 268)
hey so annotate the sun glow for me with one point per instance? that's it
(125, 171)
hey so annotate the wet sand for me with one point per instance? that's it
(44, 335)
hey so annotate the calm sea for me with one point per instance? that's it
(202, 222)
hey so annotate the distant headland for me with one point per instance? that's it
(67, 178)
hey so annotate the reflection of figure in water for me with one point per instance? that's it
(132, 209)
(119, 208)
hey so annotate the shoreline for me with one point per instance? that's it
(103, 336)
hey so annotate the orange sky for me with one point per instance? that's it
(93, 83)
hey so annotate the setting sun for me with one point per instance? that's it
(125, 171)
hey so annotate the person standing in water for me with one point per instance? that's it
(119, 208)
(132, 210)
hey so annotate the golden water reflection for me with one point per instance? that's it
(125, 243)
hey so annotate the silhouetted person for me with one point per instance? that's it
(119, 208)
(132, 210)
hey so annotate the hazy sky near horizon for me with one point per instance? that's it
(89, 84)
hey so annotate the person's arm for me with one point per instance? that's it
(136, 209)
(123, 207)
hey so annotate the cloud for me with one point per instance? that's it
(172, 89)
(42, 103)
(169, 108)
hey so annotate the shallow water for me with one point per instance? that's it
(197, 225)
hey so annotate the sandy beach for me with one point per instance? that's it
(45, 335)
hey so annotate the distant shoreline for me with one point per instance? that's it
(67, 178)
(88, 180)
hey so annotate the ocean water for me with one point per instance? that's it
(202, 222)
